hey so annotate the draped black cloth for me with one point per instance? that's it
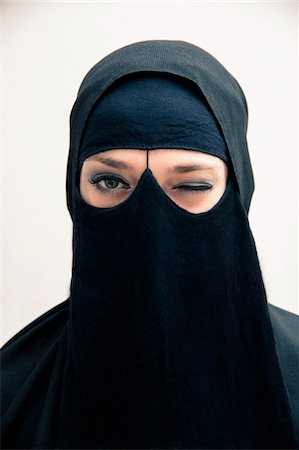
(151, 110)
(33, 362)
(168, 340)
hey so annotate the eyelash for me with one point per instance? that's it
(95, 180)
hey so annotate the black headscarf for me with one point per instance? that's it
(170, 343)
(222, 91)
(148, 110)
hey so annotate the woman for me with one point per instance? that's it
(167, 339)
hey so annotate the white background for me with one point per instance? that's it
(47, 48)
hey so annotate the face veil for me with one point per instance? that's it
(170, 343)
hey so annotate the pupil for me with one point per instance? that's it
(110, 183)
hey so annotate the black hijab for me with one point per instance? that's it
(170, 343)
(148, 110)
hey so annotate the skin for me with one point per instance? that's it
(127, 166)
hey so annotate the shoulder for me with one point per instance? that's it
(32, 364)
(38, 352)
(47, 322)
(286, 333)
(26, 348)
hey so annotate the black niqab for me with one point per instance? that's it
(170, 343)
(221, 90)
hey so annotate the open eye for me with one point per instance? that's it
(108, 183)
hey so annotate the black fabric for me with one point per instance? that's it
(153, 111)
(171, 344)
(168, 341)
(221, 90)
(32, 365)
(286, 330)
(41, 431)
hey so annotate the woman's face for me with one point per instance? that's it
(195, 181)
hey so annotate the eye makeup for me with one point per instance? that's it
(194, 188)
(107, 188)
(108, 183)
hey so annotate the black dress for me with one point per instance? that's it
(33, 363)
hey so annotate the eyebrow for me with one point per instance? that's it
(191, 168)
(182, 168)
(112, 162)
